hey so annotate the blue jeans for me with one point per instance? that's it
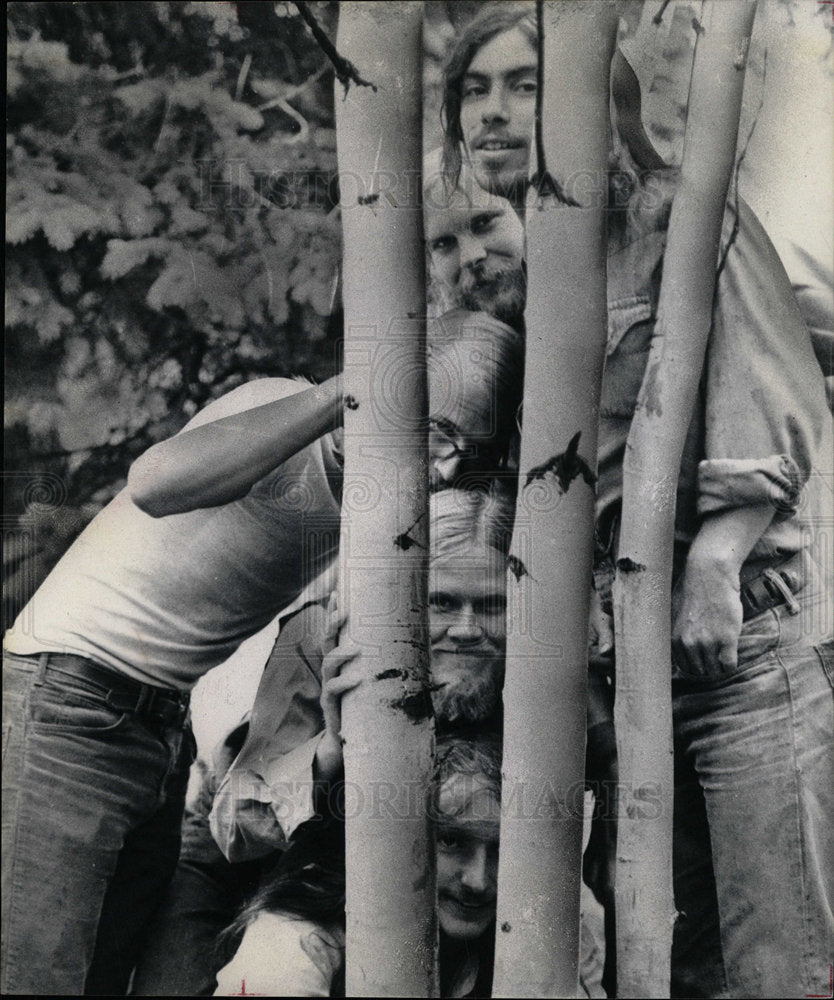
(92, 806)
(183, 953)
(754, 813)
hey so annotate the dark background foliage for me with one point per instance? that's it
(171, 233)
(172, 229)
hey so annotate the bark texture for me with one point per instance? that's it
(545, 692)
(387, 723)
(642, 590)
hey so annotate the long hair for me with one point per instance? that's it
(475, 35)
(638, 179)
(308, 880)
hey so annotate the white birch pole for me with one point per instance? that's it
(642, 589)
(387, 725)
(545, 693)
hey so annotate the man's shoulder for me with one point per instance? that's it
(258, 392)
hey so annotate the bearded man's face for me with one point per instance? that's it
(476, 254)
(467, 625)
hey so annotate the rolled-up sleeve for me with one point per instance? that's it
(727, 483)
(254, 814)
(767, 421)
(269, 786)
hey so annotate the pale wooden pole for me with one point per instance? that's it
(642, 589)
(545, 693)
(387, 724)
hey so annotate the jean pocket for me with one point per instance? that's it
(758, 636)
(74, 710)
(825, 651)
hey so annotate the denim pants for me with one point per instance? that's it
(754, 813)
(92, 807)
(184, 952)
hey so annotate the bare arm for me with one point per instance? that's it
(217, 462)
(708, 614)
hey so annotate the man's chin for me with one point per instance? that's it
(472, 697)
(502, 297)
(464, 923)
(505, 180)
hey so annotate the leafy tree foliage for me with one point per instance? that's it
(171, 233)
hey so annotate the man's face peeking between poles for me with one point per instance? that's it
(475, 374)
(467, 630)
(475, 245)
(467, 829)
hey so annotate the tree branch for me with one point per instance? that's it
(346, 72)
(659, 15)
(543, 181)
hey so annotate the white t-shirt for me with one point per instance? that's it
(283, 957)
(165, 599)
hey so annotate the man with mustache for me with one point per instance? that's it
(140, 607)
(474, 365)
(469, 540)
(475, 244)
(753, 855)
(291, 750)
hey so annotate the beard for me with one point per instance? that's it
(502, 293)
(473, 697)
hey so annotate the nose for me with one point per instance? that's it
(493, 107)
(476, 872)
(466, 627)
(472, 251)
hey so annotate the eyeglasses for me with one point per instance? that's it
(446, 441)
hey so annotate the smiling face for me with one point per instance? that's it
(467, 856)
(497, 111)
(467, 627)
(476, 254)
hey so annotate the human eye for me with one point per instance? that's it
(440, 601)
(442, 244)
(526, 87)
(473, 88)
(494, 605)
(450, 840)
(483, 223)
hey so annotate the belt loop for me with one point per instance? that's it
(776, 580)
(43, 663)
(145, 701)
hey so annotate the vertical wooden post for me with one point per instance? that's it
(387, 724)
(642, 590)
(545, 692)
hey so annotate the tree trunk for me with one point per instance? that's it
(387, 724)
(642, 590)
(545, 691)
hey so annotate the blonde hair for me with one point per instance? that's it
(471, 522)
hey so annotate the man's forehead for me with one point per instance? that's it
(479, 574)
(457, 216)
(509, 52)
(467, 803)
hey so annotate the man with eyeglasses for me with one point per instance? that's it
(218, 530)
